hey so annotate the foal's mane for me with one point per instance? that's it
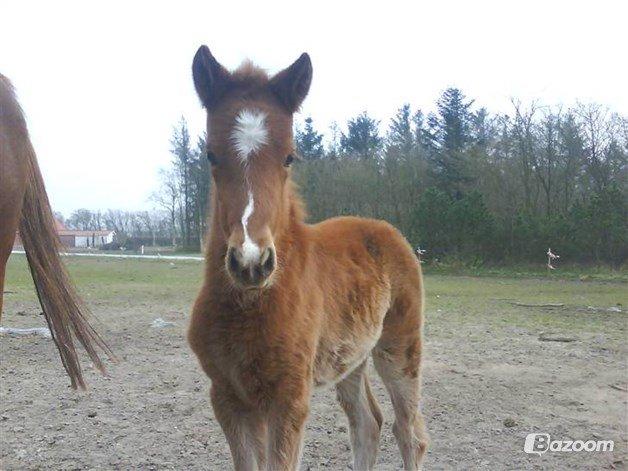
(247, 81)
(247, 71)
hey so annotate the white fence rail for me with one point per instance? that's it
(113, 255)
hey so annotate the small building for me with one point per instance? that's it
(71, 238)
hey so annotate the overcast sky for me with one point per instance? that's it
(103, 83)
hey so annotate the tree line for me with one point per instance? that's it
(459, 182)
(178, 217)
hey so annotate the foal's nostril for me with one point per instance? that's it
(234, 265)
(251, 273)
(268, 262)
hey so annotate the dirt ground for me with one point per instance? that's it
(488, 380)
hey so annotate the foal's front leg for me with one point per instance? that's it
(285, 432)
(244, 428)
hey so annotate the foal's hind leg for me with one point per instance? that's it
(397, 359)
(408, 428)
(365, 418)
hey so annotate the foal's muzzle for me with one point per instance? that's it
(251, 273)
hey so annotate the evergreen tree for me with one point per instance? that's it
(449, 136)
(400, 133)
(421, 133)
(454, 120)
(362, 139)
(309, 141)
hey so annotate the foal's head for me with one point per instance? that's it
(250, 147)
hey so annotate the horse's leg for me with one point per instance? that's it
(7, 236)
(3, 265)
(365, 417)
(409, 429)
(285, 429)
(12, 184)
(397, 359)
(244, 428)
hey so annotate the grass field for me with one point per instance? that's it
(488, 378)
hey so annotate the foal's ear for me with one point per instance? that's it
(210, 78)
(292, 84)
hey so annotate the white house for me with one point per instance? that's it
(70, 238)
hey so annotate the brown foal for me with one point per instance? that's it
(288, 306)
(24, 204)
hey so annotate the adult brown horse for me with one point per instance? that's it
(288, 306)
(24, 204)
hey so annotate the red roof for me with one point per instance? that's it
(62, 230)
(59, 226)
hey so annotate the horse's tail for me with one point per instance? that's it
(65, 312)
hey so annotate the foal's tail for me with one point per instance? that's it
(65, 312)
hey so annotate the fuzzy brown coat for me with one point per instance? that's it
(341, 290)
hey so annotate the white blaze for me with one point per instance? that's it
(249, 133)
(250, 250)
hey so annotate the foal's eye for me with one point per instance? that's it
(211, 157)
(289, 160)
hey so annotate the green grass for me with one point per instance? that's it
(452, 300)
(566, 272)
(117, 281)
(490, 302)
